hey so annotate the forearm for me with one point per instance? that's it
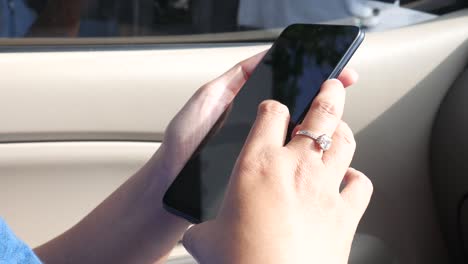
(130, 226)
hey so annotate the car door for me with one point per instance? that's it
(82, 108)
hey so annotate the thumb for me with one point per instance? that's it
(357, 191)
(193, 240)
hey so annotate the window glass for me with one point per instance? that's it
(143, 18)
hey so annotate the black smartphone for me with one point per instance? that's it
(291, 72)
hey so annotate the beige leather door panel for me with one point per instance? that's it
(118, 95)
(45, 188)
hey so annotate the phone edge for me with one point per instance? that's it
(349, 54)
(178, 213)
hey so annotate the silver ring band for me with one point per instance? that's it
(323, 141)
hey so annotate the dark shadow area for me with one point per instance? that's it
(449, 168)
(396, 145)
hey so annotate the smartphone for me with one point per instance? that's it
(291, 72)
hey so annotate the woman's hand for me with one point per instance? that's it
(283, 203)
(131, 225)
(191, 124)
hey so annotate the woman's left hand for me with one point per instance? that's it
(132, 224)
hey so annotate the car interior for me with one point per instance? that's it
(81, 115)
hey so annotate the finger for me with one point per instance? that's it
(271, 125)
(207, 105)
(236, 77)
(214, 97)
(339, 156)
(357, 191)
(295, 129)
(191, 239)
(348, 77)
(323, 116)
(223, 89)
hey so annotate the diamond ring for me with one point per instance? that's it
(323, 141)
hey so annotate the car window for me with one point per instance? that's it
(201, 20)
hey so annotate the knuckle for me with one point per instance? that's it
(335, 83)
(334, 86)
(214, 92)
(271, 107)
(259, 162)
(305, 183)
(204, 90)
(263, 167)
(365, 182)
(345, 134)
(248, 165)
(240, 68)
(326, 108)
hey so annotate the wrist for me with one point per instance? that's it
(156, 176)
(154, 222)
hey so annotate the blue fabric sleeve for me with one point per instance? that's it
(13, 250)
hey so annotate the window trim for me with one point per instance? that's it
(229, 37)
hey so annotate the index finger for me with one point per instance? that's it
(323, 116)
(236, 77)
(348, 77)
(270, 126)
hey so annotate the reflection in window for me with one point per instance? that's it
(92, 18)
(106, 18)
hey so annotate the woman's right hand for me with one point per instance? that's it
(283, 203)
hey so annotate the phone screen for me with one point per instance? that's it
(292, 71)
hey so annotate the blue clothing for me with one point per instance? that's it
(15, 18)
(13, 250)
